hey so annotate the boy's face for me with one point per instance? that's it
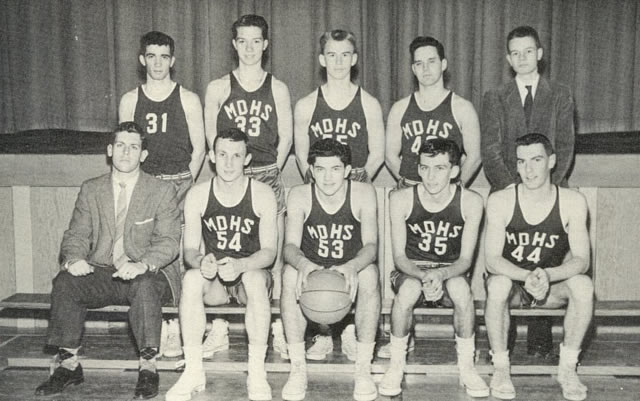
(524, 55)
(157, 61)
(250, 45)
(338, 58)
(330, 174)
(436, 172)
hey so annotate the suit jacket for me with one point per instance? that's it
(151, 231)
(503, 121)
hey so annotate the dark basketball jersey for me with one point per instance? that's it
(541, 245)
(231, 231)
(168, 139)
(347, 126)
(435, 236)
(419, 125)
(255, 114)
(331, 239)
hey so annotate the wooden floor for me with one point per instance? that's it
(118, 384)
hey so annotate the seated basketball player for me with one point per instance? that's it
(125, 228)
(331, 224)
(537, 251)
(235, 217)
(434, 231)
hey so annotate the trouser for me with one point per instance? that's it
(72, 296)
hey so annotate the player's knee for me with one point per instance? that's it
(254, 282)
(289, 276)
(409, 292)
(459, 291)
(498, 287)
(192, 281)
(580, 286)
(369, 278)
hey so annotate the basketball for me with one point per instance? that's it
(325, 298)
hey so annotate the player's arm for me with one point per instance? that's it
(217, 91)
(285, 121)
(302, 118)
(127, 106)
(492, 129)
(400, 204)
(574, 206)
(393, 142)
(193, 112)
(472, 208)
(375, 128)
(77, 239)
(499, 205)
(565, 137)
(467, 119)
(265, 207)
(192, 237)
(298, 204)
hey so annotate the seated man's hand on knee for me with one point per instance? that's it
(209, 266)
(432, 285)
(80, 268)
(351, 277)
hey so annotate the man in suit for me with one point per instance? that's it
(125, 228)
(528, 103)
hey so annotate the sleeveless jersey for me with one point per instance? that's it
(419, 125)
(255, 114)
(435, 236)
(542, 245)
(168, 139)
(347, 126)
(231, 231)
(331, 239)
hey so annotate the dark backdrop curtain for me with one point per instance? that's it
(65, 63)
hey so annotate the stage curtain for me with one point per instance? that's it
(66, 63)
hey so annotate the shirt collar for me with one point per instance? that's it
(522, 89)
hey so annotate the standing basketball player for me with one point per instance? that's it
(432, 111)
(537, 251)
(172, 119)
(329, 226)
(434, 231)
(343, 111)
(253, 100)
(235, 217)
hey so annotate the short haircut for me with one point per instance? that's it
(338, 35)
(159, 39)
(233, 134)
(130, 126)
(328, 148)
(523, 32)
(251, 20)
(156, 38)
(441, 146)
(422, 41)
(534, 138)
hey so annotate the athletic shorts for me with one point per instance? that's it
(397, 278)
(406, 183)
(271, 176)
(525, 300)
(181, 182)
(357, 174)
(236, 292)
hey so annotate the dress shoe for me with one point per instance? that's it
(147, 386)
(59, 380)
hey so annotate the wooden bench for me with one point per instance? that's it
(41, 301)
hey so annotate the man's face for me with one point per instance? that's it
(338, 58)
(126, 152)
(524, 55)
(436, 172)
(330, 174)
(230, 158)
(427, 66)
(157, 61)
(534, 165)
(250, 45)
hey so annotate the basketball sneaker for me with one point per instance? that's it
(187, 385)
(572, 387)
(384, 352)
(296, 387)
(501, 384)
(348, 342)
(322, 345)
(279, 342)
(173, 345)
(218, 338)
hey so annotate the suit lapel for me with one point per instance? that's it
(107, 203)
(543, 96)
(137, 200)
(515, 108)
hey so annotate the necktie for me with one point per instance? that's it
(528, 104)
(121, 215)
